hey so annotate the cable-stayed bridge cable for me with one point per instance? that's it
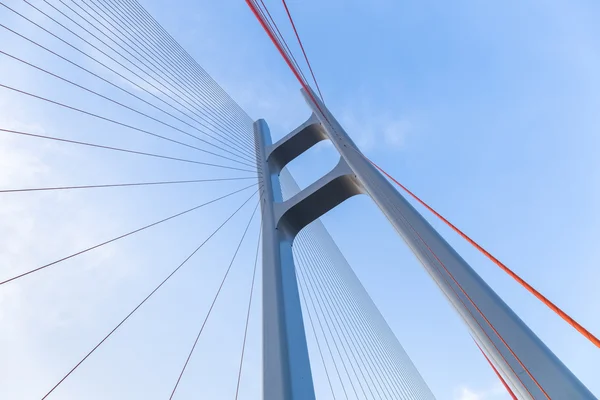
(124, 26)
(251, 296)
(333, 316)
(146, 298)
(117, 149)
(302, 48)
(186, 107)
(508, 389)
(337, 333)
(189, 104)
(213, 302)
(255, 10)
(324, 275)
(113, 121)
(181, 86)
(303, 285)
(121, 236)
(113, 185)
(109, 82)
(275, 29)
(344, 300)
(186, 62)
(246, 163)
(313, 248)
(317, 341)
(181, 58)
(402, 366)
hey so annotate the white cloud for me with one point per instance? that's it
(395, 132)
(373, 127)
(497, 392)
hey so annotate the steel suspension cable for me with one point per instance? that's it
(370, 333)
(333, 316)
(317, 341)
(275, 29)
(121, 236)
(213, 303)
(175, 50)
(167, 46)
(395, 365)
(336, 309)
(131, 109)
(333, 333)
(186, 63)
(347, 299)
(302, 48)
(286, 58)
(339, 309)
(122, 24)
(508, 389)
(107, 55)
(110, 47)
(394, 344)
(121, 185)
(115, 122)
(118, 149)
(375, 371)
(146, 298)
(303, 286)
(192, 98)
(137, 64)
(170, 68)
(239, 377)
(107, 81)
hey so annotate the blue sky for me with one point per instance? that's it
(488, 111)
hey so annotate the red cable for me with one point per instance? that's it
(302, 47)
(516, 277)
(512, 394)
(479, 311)
(283, 54)
(506, 269)
(481, 327)
(279, 35)
(493, 344)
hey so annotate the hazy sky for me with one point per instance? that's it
(488, 111)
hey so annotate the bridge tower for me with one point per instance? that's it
(530, 369)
